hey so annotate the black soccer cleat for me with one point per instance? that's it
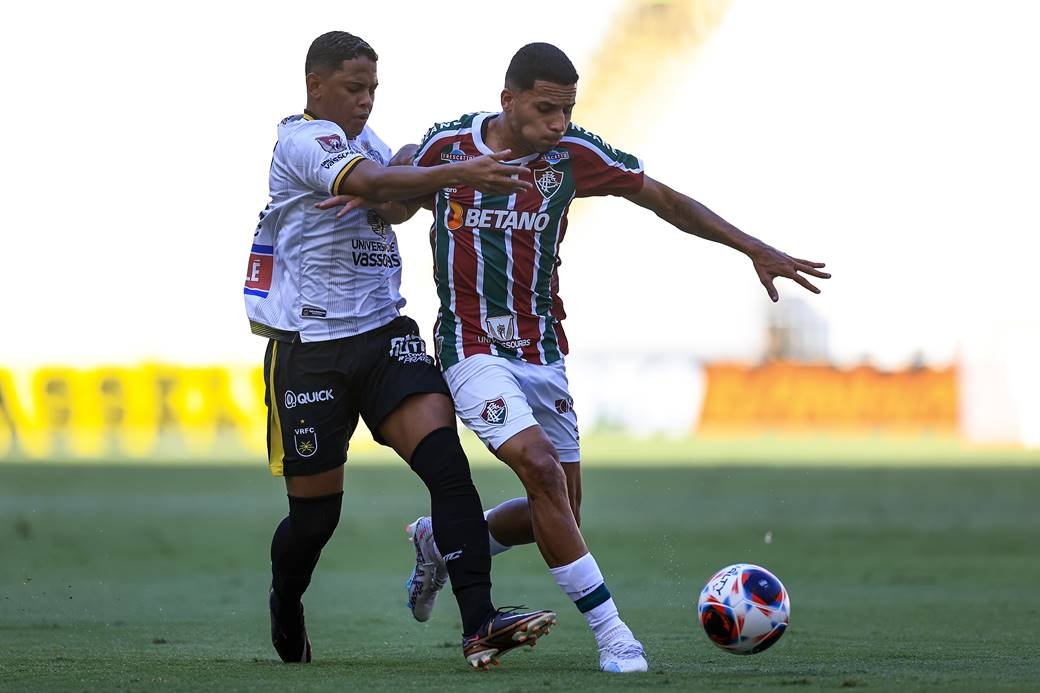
(505, 630)
(288, 632)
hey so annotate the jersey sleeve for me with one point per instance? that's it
(599, 168)
(322, 159)
(429, 151)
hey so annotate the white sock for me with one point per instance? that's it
(497, 547)
(583, 583)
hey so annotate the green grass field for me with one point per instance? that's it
(148, 578)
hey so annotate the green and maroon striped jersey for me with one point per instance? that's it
(496, 257)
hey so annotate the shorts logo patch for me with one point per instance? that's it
(495, 411)
(331, 143)
(306, 440)
(564, 405)
(292, 399)
(409, 349)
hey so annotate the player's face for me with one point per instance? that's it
(540, 115)
(345, 96)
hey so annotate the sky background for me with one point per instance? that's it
(897, 141)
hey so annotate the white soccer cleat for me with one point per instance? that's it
(621, 653)
(429, 575)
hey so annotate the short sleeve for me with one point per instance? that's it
(599, 168)
(429, 151)
(322, 159)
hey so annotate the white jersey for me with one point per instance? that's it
(309, 272)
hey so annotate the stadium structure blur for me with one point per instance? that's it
(673, 376)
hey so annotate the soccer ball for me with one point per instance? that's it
(744, 608)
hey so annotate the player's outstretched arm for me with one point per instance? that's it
(393, 212)
(485, 173)
(689, 215)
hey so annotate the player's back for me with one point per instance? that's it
(309, 272)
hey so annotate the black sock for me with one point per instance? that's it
(298, 542)
(459, 527)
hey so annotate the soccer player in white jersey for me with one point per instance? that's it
(499, 334)
(325, 292)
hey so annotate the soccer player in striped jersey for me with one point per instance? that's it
(325, 293)
(499, 333)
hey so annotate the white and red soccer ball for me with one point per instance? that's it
(744, 608)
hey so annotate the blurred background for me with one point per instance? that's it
(876, 446)
(896, 141)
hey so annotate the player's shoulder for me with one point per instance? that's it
(582, 141)
(450, 127)
(299, 128)
(578, 136)
(371, 146)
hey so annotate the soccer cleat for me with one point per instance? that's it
(504, 631)
(429, 575)
(288, 632)
(621, 653)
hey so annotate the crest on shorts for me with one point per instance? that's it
(306, 440)
(333, 144)
(495, 411)
(564, 405)
(502, 328)
(548, 180)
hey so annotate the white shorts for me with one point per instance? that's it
(497, 397)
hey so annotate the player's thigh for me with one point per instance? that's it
(315, 485)
(414, 419)
(489, 400)
(311, 414)
(548, 393)
(403, 396)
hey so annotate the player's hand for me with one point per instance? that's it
(347, 203)
(404, 155)
(488, 175)
(770, 263)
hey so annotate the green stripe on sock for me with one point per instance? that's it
(593, 599)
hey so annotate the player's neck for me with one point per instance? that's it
(498, 136)
(316, 114)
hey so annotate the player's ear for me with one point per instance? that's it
(314, 85)
(506, 100)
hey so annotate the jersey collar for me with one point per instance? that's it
(309, 115)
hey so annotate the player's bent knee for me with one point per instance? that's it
(543, 475)
(441, 463)
(314, 520)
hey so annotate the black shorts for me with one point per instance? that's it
(315, 392)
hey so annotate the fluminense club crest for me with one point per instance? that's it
(548, 180)
(495, 411)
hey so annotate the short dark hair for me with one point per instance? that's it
(328, 51)
(542, 61)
